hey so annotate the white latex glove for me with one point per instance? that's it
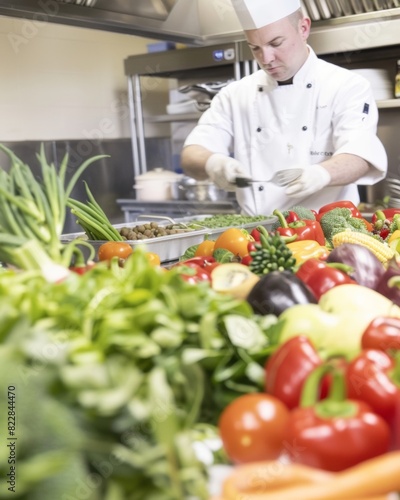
(313, 179)
(222, 170)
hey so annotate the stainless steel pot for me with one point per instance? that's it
(156, 185)
(193, 190)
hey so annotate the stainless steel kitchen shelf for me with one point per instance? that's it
(178, 117)
(388, 103)
(134, 208)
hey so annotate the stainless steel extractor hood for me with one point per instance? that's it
(206, 22)
(194, 22)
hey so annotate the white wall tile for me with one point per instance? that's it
(62, 82)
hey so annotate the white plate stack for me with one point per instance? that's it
(379, 79)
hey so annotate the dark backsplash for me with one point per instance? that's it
(109, 178)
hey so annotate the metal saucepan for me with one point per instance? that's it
(193, 190)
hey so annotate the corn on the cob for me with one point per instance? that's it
(382, 251)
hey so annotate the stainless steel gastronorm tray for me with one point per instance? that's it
(172, 247)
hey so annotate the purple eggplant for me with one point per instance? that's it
(367, 268)
(389, 284)
(277, 291)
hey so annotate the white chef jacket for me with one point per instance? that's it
(328, 110)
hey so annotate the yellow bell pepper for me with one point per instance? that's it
(307, 249)
(394, 236)
(394, 241)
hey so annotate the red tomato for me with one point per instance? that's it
(235, 240)
(112, 249)
(252, 428)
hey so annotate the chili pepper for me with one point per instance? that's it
(292, 217)
(255, 233)
(374, 377)
(340, 204)
(383, 333)
(321, 276)
(288, 367)
(335, 433)
(307, 249)
(384, 214)
(304, 229)
(251, 246)
(246, 260)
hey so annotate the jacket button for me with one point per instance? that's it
(304, 128)
(261, 188)
(309, 85)
(258, 129)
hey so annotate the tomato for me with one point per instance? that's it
(112, 249)
(235, 240)
(252, 428)
(153, 258)
(205, 248)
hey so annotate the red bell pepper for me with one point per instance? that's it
(340, 204)
(197, 269)
(303, 229)
(193, 273)
(335, 433)
(374, 377)
(382, 333)
(288, 367)
(321, 276)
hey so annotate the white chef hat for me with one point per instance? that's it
(254, 14)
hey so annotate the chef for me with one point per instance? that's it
(295, 111)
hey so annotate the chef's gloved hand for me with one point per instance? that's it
(222, 170)
(313, 179)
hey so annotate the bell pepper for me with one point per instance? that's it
(196, 269)
(288, 367)
(304, 229)
(383, 333)
(339, 204)
(307, 249)
(394, 236)
(334, 433)
(321, 276)
(374, 377)
(193, 273)
(385, 214)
